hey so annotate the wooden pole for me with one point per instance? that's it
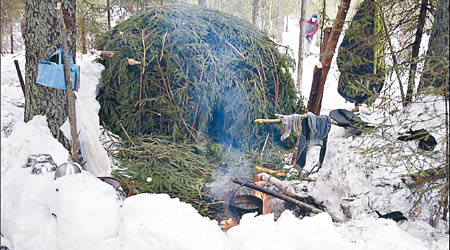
(19, 74)
(331, 47)
(70, 94)
(282, 197)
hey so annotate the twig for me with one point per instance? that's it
(394, 58)
(237, 51)
(264, 146)
(195, 116)
(128, 136)
(162, 47)
(262, 87)
(262, 67)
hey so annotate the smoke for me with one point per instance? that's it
(236, 164)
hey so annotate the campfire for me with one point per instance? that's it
(242, 204)
(259, 202)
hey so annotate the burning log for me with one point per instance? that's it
(269, 171)
(283, 197)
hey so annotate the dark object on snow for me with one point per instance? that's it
(51, 71)
(427, 142)
(349, 120)
(361, 56)
(395, 216)
(116, 184)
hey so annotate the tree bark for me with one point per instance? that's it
(438, 49)
(83, 40)
(331, 47)
(315, 86)
(415, 50)
(41, 40)
(301, 39)
(108, 7)
(201, 3)
(12, 38)
(255, 13)
(280, 21)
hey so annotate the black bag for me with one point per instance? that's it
(427, 142)
(349, 120)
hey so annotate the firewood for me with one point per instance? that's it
(283, 186)
(283, 197)
(270, 171)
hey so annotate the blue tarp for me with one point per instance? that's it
(51, 74)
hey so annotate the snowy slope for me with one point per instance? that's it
(82, 212)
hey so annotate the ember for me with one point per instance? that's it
(228, 223)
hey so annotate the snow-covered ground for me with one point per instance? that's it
(82, 212)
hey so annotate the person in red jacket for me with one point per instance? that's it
(311, 27)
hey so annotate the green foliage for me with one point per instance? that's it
(178, 169)
(193, 80)
(361, 56)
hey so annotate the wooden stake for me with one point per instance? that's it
(70, 94)
(19, 74)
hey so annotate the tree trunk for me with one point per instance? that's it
(438, 48)
(415, 50)
(315, 86)
(331, 47)
(255, 13)
(280, 21)
(83, 40)
(12, 39)
(300, 45)
(42, 38)
(108, 7)
(201, 3)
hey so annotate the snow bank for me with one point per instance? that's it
(155, 221)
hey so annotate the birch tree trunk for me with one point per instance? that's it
(42, 38)
(300, 45)
(255, 13)
(279, 21)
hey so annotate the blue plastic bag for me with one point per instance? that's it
(51, 74)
